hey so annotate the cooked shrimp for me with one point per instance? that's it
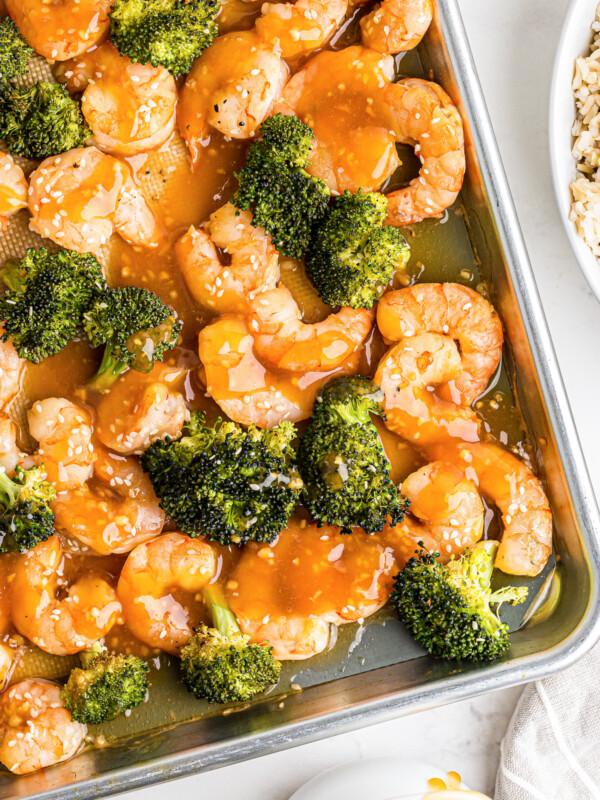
(457, 312)
(115, 510)
(231, 89)
(64, 434)
(292, 29)
(80, 198)
(140, 408)
(86, 612)
(7, 662)
(11, 372)
(152, 572)
(422, 114)
(10, 455)
(510, 484)
(129, 107)
(246, 390)
(309, 577)
(36, 730)
(395, 26)
(13, 189)
(340, 95)
(446, 514)
(61, 29)
(284, 341)
(253, 267)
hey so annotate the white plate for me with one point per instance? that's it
(575, 40)
(372, 779)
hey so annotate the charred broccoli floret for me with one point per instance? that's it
(26, 518)
(219, 665)
(447, 609)
(106, 686)
(224, 482)
(171, 33)
(135, 326)
(45, 298)
(14, 52)
(342, 462)
(352, 256)
(284, 199)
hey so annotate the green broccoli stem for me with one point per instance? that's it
(9, 490)
(87, 656)
(11, 275)
(108, 372)
(223, 618)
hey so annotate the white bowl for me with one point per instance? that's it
(575, 40)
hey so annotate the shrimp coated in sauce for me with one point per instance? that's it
(288, 593)
(395, 26)
(446, 514)
(61, 29)
(13, 189)
(292, 29)
(36, 730)
(423, 115)
(63, 431)
(510, 484)
(129, 107)
(11, 372)
(253, 267)
(284, 341)
(231, 89)
(152, 572)
(115, 510)
(10, 454)
(140, 408)
(60, 620)
(80, 198)
(450, 339)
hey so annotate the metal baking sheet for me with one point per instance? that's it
(384, 675)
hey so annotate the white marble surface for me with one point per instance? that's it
(513, 42)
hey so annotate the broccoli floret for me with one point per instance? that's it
(352, 256)
(171, 33)
(108, 685)
(447, 608)
(41, 121)
(285, 200)
(219, 665)
(224, 482)
(26, 518)
(14, 52)
(342, 462)
(46, 295)
(135, 326)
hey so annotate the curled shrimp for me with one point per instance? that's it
(253, 267)
(450, 338)
(510, 484)
(13, 189)
(10, 455)
(246, 390)
(63, 431)
(60, 621)
(308, 578)
(422, 114)
(152, 573)
(11, 372)
(395, 26)
(340, 96)
(231, 89)
(80, 198)
(114, 511)
(296, 28)
(61, 29)
(129, 107)
(445, 514)
(284, 341)
(140, 408)
(36, 730)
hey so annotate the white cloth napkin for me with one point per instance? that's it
(551, 750)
